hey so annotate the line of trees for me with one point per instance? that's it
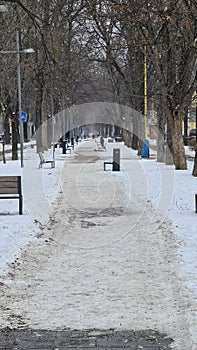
(94, 50)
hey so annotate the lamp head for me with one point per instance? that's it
(30, 50)
(3, 8)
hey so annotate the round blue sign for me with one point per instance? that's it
(23, 117)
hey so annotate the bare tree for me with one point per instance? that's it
(82, 47)
(170, 37)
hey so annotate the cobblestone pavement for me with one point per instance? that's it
(87, 339)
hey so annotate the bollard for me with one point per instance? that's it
(60, 141)
(196, 202)
(116, 159)
(102, 141)
(63, 147)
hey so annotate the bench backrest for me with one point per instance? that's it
(10, 185)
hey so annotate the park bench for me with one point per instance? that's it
(116, 160)
(44, 161)
(108, 163)
(10, 188)
(100, 146)
(65, 147)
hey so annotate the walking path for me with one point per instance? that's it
(106, 260)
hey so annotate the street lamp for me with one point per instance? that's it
(145, 92)
(3, 8)
(17, 52)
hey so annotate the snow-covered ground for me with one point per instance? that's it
(40, 189)
(169, 194)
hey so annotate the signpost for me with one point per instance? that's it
(23, 117)
(53, 134)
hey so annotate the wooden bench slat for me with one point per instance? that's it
(5, 190)
(8, 184)
(8, 178)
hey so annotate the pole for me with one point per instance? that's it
(145, 93)
(3, 8)
(53, 135)
(53, 125)
(19, 98)
(196, 109)
(196, 203)
(4, 160)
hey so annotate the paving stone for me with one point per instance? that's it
(82, 340)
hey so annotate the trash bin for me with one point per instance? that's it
(145, 149)
(116, 159)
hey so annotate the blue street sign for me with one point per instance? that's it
(23, 117)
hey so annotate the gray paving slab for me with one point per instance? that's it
(83, 339)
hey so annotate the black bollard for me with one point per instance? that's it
(102, 141)
(60, 141)
(63, 147)
(72, 140)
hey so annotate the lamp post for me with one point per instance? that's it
(3, 8)
(18, 52)
(196, 136)
(145, 93)
(19, 97)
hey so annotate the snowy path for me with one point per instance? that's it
(105, 260)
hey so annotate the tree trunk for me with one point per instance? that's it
(140, 144)
(194, 172)
(160, 139)
(3, 141)
(14, 140)
(177, 143)
(135, 141)
(7, 130)
(38, 133)
(169, 148)
(185, 126)
(49, 132)
(135, 138)
(25, 132)
(138, 135)
(127, 137)
(38, 124)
